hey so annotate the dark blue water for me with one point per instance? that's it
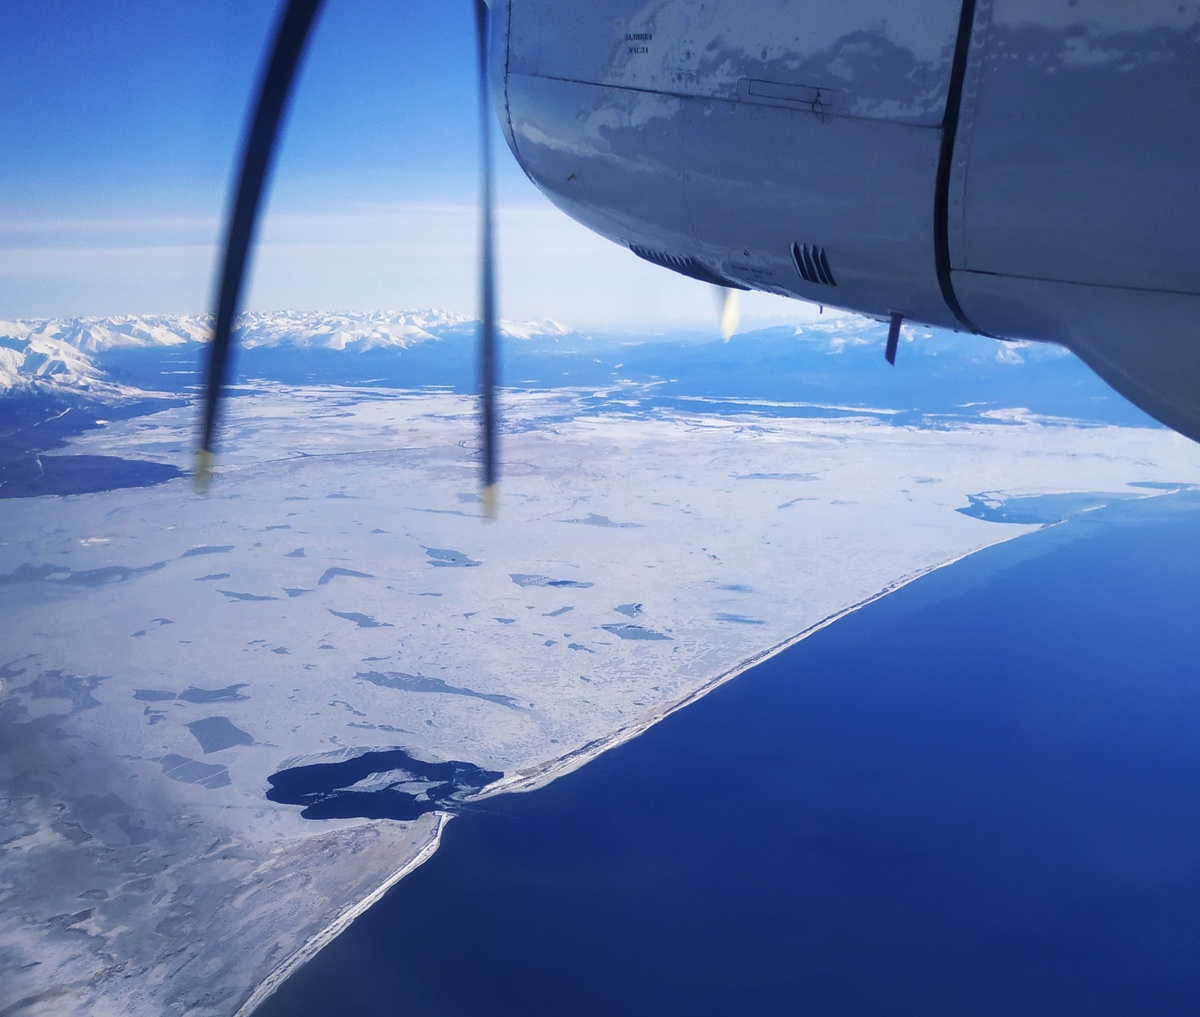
(980, 795)
(34, 423)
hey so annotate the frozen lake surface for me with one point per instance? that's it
(337, 596)
(862, 824)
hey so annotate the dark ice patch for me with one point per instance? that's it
(627, 631)
(628, 610)
(1044, 508)
(561, 610)
(420, 683)
(1161, 485)
(193, 552)
(405, 787)
(234, 595)
(294, 591)
(73, 832)
(60, 575)
(153, 695)
(446, 558)
(58, 923)
(298, 553)
(363, 621)
(580, 646)
(738, 619)
(35, 476)
(77, 689)
(229, 694)
(137, 834)
(597, 520)
(521, 579)
(217, 733)
(192, 771)
(279, 526)
(775, 476)
(214, 575)
(331, 574)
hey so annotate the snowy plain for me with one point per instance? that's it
(337, 593)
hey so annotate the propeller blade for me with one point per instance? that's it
(274, 89)
(487, 274)
(731, 312)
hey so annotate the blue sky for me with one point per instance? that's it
(122, 122)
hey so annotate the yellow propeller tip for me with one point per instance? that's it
(202, 474)
(489, 496)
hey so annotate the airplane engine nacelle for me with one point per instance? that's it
(1018, 168)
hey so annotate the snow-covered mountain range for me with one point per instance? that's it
(75, 354)
(836, 360)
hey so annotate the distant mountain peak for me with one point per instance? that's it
(70, 353)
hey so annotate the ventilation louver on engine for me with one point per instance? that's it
(688, 266)
(812, 264)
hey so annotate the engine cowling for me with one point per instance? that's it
(1009, 167)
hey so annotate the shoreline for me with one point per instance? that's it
(335, 928)
(542, 774)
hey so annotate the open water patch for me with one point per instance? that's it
(380, 784)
